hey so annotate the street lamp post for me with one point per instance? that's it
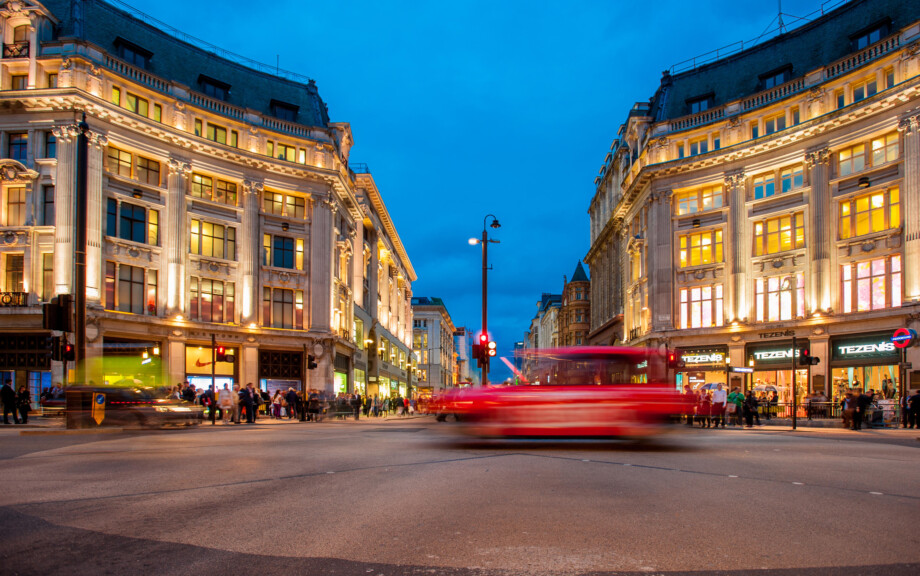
(485, 297)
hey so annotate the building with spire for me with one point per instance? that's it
(575, 311)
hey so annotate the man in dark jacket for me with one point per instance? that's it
(292, 402)
(8, 397)
(356, 404)
(913, 405)
(862, 404)
(247, 396)
(209, 401)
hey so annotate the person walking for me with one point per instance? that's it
(735, 406)
(235, 397)
(913, 404)
(210, 402)
(862, 404)
(247, 401)
(276, 404)
(225, 401)
(704, 410)
(24, 403)
(8, 397)
(750, 409)
(719, 400)
(291, 399)
(356, 404)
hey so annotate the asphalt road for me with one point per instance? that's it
(403, 497)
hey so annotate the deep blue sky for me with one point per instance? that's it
(462, 109)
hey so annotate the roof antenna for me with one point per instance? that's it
(782, 27)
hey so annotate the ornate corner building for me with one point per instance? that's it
(770, 194)
(575, 311)
(221, 203)
(433, 345)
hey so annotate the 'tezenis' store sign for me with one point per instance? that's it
(870, 347)
(866, 348)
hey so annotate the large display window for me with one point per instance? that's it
(864, 362)
(772, 365)
(702, 366)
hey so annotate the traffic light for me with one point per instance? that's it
(69, 352)
(806, 359)
(57, 348)
(676, 360)
(311, 362)
(477, 354)
(220, 354)
(491, 349)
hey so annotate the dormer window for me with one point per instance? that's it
(870, 35)
(132, 53)
(214, 88)
(284, 111)
(775, 77)
(700, 103)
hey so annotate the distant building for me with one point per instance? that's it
(467, 371)
(433, 344)
(544, 327)
(575, 311)
(767, 195)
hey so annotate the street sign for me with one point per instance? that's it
(741, 369)
(904, 337)
(98, 408)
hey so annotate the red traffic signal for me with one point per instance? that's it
(69, 353)
(483, 339)
(221, 354)
(806, 359)
(675, 360)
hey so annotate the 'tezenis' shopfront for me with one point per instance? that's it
(865, 362)
(773, 368)
(703, 365)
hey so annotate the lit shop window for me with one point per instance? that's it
(211, 300)
(282, 308)
(871, 285)
(698, 200)
(701, 248)
(701, 306)
(871, 213)
(779, 297)
(212, 240)
(779, 234)
(130, 289)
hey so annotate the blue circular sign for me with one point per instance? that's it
(100, 398)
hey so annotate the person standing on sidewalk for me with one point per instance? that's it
(210, 402)
(291, 399)
(356, 404)
(913, 404)
(719, 399)
(24, 403)
(735, 406)
(225, 400)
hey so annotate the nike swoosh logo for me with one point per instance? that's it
(201, 364)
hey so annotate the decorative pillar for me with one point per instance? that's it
(321, 255)
(33, 51)
(660, 260)
(822, 281)
(95, 209)
(737, 246)
(910, 196)
(64, 202)
(175, 240)
(251, 246)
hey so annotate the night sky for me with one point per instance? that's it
(462, 109)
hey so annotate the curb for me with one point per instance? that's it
(71, 432)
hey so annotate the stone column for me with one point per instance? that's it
(357, 264)
(175, 240)
(64, 202)
(250, 248)
(249, 369)
(822, 282)
(33, 52)
(175, 359)
(910, 198)
(321, 254)
(94, 211)
(660, 260)
(736, 247)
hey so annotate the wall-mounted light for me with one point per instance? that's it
(864, 182)
(145, 355)
(751, 361)
(285, 226)
(137, 193)
(156, 350)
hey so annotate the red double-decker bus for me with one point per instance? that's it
(588, 391)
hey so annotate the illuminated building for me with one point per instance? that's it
(221, 202)
(575, 311)
(769, 194)
(433, 344)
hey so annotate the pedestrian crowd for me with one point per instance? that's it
(16, 402)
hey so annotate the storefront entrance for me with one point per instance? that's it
(703, 366)
(864, 362)
(773, 370)
(132, 363)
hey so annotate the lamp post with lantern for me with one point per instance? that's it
(485, 269)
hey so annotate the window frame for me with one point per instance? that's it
(716, 306)
(892, 286)
(687, 248)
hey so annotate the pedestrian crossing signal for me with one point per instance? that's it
(491, 349)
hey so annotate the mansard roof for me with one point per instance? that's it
(799, 51)
(181, 61)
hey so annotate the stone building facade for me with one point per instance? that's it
(769, 195)
(575, 311)
(433, 345)
(221, 205)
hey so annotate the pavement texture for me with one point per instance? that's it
(408, 496)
